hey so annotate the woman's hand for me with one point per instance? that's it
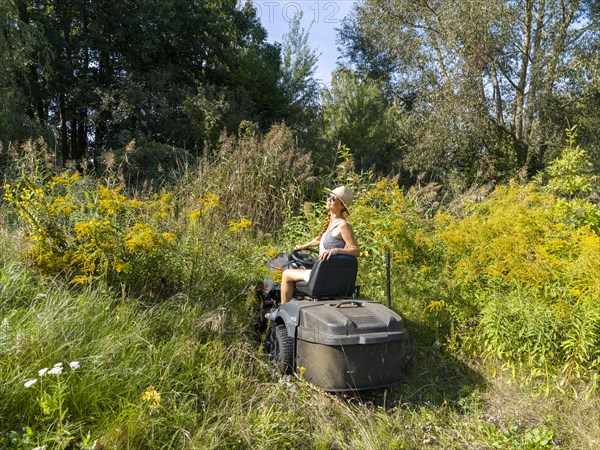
(328, 253)
(311, 244)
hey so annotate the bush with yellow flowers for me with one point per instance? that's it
(87, 231)
(525, 264)
(386, 221)
(529, 277)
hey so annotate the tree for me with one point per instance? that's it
(581, 101)
(18, 44)
(105, 73)
(357, 114)
(485, 76)
(299, 62)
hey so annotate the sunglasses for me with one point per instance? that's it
(332, 197)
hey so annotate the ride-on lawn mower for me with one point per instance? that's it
(327, 334)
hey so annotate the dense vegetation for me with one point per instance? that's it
(154, 154)
(145, 300)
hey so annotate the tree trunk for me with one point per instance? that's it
(64, 139)
(82, 139)
(497, 95)
(35, 96)
(537, 67)
(550, 73)
(523, 72)
(74, 145)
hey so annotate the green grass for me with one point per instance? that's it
(184, 370)
(183, 374)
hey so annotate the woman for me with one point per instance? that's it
(336, 238)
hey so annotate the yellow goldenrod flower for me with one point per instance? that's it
(81, 279)
(136, 203)
(435, 306)
(169, 237)
(121, 266)
(153, 398)
(272, 254)
(236, 227)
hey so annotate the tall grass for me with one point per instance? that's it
(178, 375)
(261, 178)
(166, 357)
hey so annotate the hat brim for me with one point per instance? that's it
(329, 191)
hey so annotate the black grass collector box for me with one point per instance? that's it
(349, 345)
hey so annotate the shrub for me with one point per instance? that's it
(87, 231)
(531, 278)
(150, 164)
(260, 178)
(570, 181)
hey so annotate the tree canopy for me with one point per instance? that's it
(103, 73)
(430, 89)
(490, 82)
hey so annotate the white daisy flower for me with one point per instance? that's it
(56, 370)
(30, 383)
(74, 365)
(42, 372)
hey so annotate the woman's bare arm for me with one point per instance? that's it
(351, 248)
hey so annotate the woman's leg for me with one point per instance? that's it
(288, 280)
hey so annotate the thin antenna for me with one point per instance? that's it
(389, 282)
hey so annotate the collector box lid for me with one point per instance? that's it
(349, 322)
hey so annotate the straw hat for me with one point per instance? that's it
(344, 194)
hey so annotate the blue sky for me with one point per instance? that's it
(326, 16)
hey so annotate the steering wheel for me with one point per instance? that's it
(304, 259)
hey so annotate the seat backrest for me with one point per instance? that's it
(335, 277)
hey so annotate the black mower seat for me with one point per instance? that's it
(335, 277)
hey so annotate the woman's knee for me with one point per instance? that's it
(292, 275)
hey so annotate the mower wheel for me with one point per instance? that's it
(283, 350)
